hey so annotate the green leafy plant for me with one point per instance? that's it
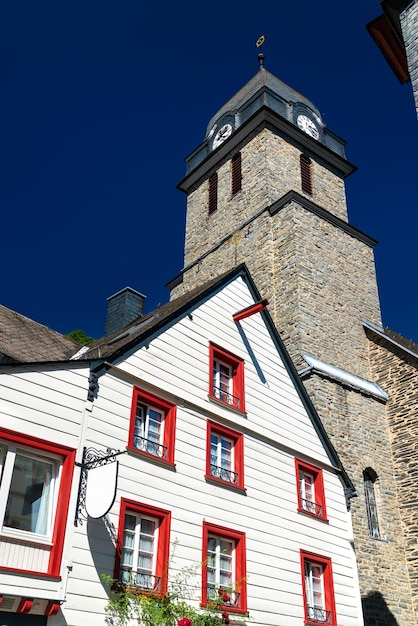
(129, 604)
(80, 337)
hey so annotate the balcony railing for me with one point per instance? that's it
(226, 397)
(224, 474)
(152, 447)
(140, 580)
(312, 507)
(322, 616)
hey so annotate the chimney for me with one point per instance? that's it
(123, 308)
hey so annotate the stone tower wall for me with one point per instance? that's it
(409, 25)
(320, 264)
(270, 167)
(397, 372)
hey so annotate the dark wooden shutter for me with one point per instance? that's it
(213, 193)
(306, 174)
(236, 175)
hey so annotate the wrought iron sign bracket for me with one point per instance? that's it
(92, 458)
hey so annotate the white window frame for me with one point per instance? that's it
(8, 454)
(218, 383)
(142, 424)
(217, 459)
(310, 589)
(217, 553)
(135, 549)
(307, 494)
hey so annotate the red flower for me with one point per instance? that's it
(185, 621)
(225, 597)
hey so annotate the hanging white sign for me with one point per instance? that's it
(101, 489)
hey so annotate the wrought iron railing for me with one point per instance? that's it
(225, 396)
(152, 447)
(140, 580)
(322, 616)
(224, 474)
(312, 507)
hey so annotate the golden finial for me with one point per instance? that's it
(258, 44)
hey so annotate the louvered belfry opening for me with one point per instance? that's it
(236, 175)
(306, 174)
(213, 193)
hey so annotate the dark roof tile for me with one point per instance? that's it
(23, 340)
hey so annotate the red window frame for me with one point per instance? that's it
(68, 456)
(318, 508)
(237, 439)
(328, 587)
(237, 401)
(163, 543)
(169, 409)
(240, 573)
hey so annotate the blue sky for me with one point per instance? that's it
(101, 101)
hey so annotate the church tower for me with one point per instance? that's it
(266, 187)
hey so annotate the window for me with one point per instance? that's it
(236, 175)
(143, 546)
(310, 486)
(35, 488)
(213, 193)
(318, 589)
(226, 378)
(225, 455)
(306, 174)
(370, 478)
(224, 567)
(152, 429)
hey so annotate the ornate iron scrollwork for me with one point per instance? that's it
(91, 458)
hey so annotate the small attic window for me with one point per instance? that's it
(213, 193)
(306, 174)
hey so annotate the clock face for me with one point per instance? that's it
(222, 134)
(306, 124)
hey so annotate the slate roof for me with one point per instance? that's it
(261, 80)
(23, 340)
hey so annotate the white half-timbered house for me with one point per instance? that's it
(223, 464)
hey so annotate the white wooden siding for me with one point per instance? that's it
(276, 429)
(47, 404)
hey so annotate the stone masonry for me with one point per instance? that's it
(396, 370)
(409, 25)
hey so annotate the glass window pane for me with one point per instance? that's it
(30, 496)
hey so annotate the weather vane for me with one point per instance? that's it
(258, 44)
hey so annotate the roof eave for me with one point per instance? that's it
(262, 118)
